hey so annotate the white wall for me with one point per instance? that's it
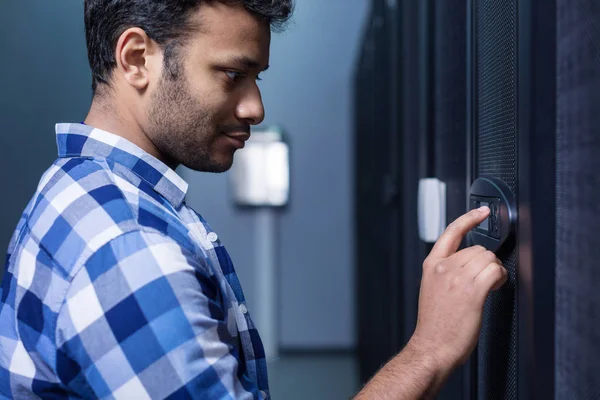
(44, 79)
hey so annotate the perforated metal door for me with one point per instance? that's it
(496, 156)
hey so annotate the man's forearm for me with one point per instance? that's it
(454, 288)
(412, 374)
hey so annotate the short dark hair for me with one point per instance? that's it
(167, 22)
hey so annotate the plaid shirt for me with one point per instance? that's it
(114, 288)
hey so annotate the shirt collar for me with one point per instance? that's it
(79, 140)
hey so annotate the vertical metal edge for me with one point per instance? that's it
(470, 103)
(423, 75)
(396, 278)
(470, 368)
(424, 88)
(537, 198)
(426, 138)
(410, 174)
(429, 88)
(524, 260)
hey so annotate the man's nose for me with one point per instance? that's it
(251, 109)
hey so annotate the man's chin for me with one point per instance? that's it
(213, 166)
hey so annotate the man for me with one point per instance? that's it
(115, 288)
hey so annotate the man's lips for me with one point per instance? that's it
(238, 139)
(241, 136)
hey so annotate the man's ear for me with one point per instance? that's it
(136, 56)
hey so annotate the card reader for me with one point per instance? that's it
(500, 226)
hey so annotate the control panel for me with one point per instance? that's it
(499, 227)
(491, 226)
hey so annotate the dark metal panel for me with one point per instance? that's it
(412, 169)
(378, 289)
(495, 155)
(426, 77)
(393, 200)
(449, 102)
(447, 113)
(537, 205)
(577, 194)
(470, 369)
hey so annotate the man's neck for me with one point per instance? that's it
(110, 117)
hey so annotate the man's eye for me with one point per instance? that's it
(233, 75)
(236, 76)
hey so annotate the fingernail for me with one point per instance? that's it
(484, 209)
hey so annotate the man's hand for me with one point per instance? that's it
(454, 288)
(453, 292)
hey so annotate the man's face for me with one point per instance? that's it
(204, 115)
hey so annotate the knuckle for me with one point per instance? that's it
(440, 268)
(496, 270)
(454, 226)
(490, 256)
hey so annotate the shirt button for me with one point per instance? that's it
(213, 237)
(263, 394)
(243, 309)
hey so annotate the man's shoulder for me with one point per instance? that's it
(82, 204)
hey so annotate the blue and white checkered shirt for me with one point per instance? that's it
(114, 288)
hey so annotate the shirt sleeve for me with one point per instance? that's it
(145, 319)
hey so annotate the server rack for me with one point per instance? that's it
(509, 90)
(494, 155)
(394, 92)
(512, 127)
(389, 165)
(377, 321)
(448, 116)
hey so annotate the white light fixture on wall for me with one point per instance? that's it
(260, 183)
(432, 209)
(260, 175)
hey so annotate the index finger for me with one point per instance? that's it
(450, 240)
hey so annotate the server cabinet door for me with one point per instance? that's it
(494, 155)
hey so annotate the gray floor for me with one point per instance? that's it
(313, 376)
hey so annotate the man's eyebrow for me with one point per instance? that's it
(246, 62)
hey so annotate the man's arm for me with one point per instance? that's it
(412, 374)
(145, 319)
(453, 291)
